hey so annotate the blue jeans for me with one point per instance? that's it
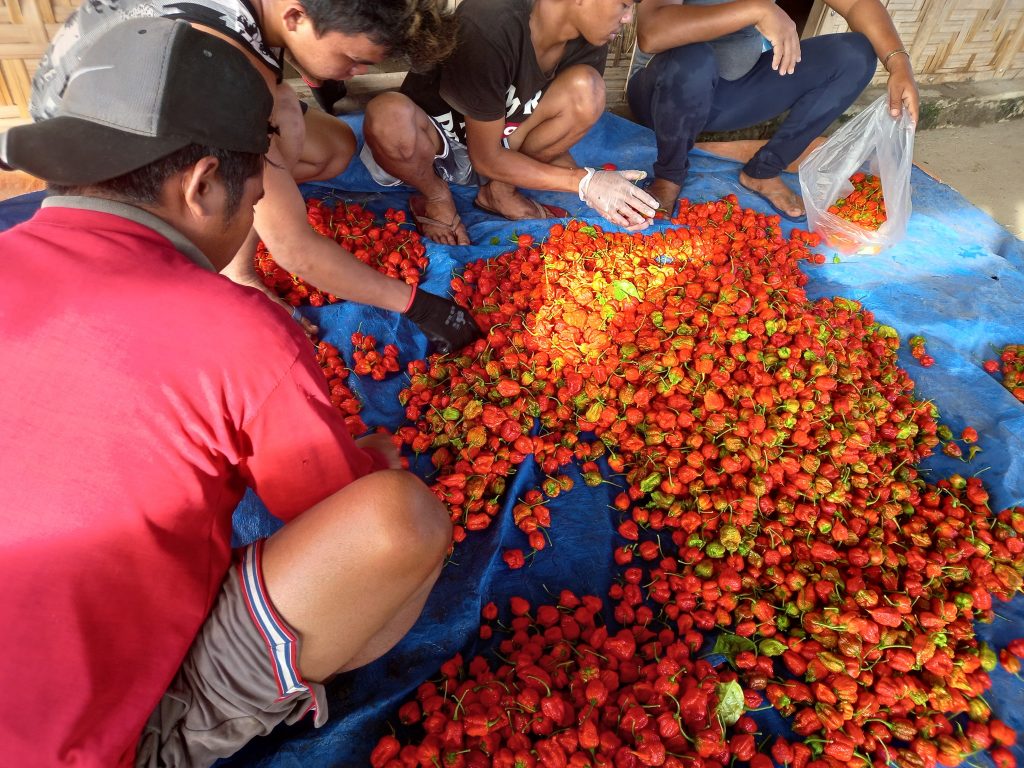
(679, 94)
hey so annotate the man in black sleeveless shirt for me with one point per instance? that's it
(523, 85)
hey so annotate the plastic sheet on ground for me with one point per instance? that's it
(957, 279)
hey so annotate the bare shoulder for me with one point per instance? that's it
(649, 6)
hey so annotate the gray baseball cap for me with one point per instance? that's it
(145, 89)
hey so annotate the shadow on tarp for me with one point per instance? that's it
(956, 279)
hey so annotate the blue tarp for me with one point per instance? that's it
(957, 279)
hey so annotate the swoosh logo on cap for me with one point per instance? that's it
(86, 70)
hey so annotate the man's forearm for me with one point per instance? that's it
(665, 26)
(521, 170)
(283, 225)
(871, 19)
(332, 269)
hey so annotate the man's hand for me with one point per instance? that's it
(446, 325)
(614, 195)
(385, 446)
(903, 88)
(241, 270)
(779, 30)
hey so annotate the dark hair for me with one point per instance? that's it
(422, 31)
(143, 186)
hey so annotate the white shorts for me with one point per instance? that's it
(452, 164)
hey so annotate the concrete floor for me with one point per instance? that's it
(984, 163)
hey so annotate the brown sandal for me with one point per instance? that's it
(417, 205)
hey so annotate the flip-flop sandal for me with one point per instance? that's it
(544, 211)
(795, 219)
(417, 206)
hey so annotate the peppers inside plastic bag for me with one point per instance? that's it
(872, 142)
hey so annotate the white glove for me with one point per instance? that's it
(614, 196)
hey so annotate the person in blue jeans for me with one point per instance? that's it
(700, 66)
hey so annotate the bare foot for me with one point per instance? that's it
(508, 202)
(774, 190)
(667, 195)
(438, 220)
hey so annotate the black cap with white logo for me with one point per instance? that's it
(145, 89)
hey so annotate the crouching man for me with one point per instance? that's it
(522, 87)
(142, 392)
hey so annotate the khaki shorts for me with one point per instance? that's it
(452, 164)
(239, 680)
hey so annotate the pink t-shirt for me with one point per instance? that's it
(140, 393)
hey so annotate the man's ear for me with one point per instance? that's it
(293, 15)
(202, 189)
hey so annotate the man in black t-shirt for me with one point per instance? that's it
(523, 86)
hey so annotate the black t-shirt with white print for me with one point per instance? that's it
(493, 72)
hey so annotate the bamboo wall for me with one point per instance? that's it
(958, 41)
(26, 27)
(950, 41)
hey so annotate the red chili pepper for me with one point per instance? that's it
(801, 755)
(1003, 758)
(781, 751)
(553, 707)
(839, 747)
(622, 645)
(1002, 733)
(743, 747)
(387, 749)
(887, 616)
(550, 754)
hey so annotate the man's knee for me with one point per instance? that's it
(692, 69)
(390, 125)
(410, 527)
(676, 87)
(847, 57)
(329, 146)
(859, 56)
(588, 93)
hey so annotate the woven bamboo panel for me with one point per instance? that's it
(26, 28)
(950, 40)
(616, 69)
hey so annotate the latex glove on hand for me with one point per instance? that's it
(446, 325)
(614, 195)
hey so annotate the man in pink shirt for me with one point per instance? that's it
(141, 393)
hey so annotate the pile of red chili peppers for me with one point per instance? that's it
(864, 205)
(766, 446)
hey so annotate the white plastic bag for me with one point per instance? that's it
(872, 142)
